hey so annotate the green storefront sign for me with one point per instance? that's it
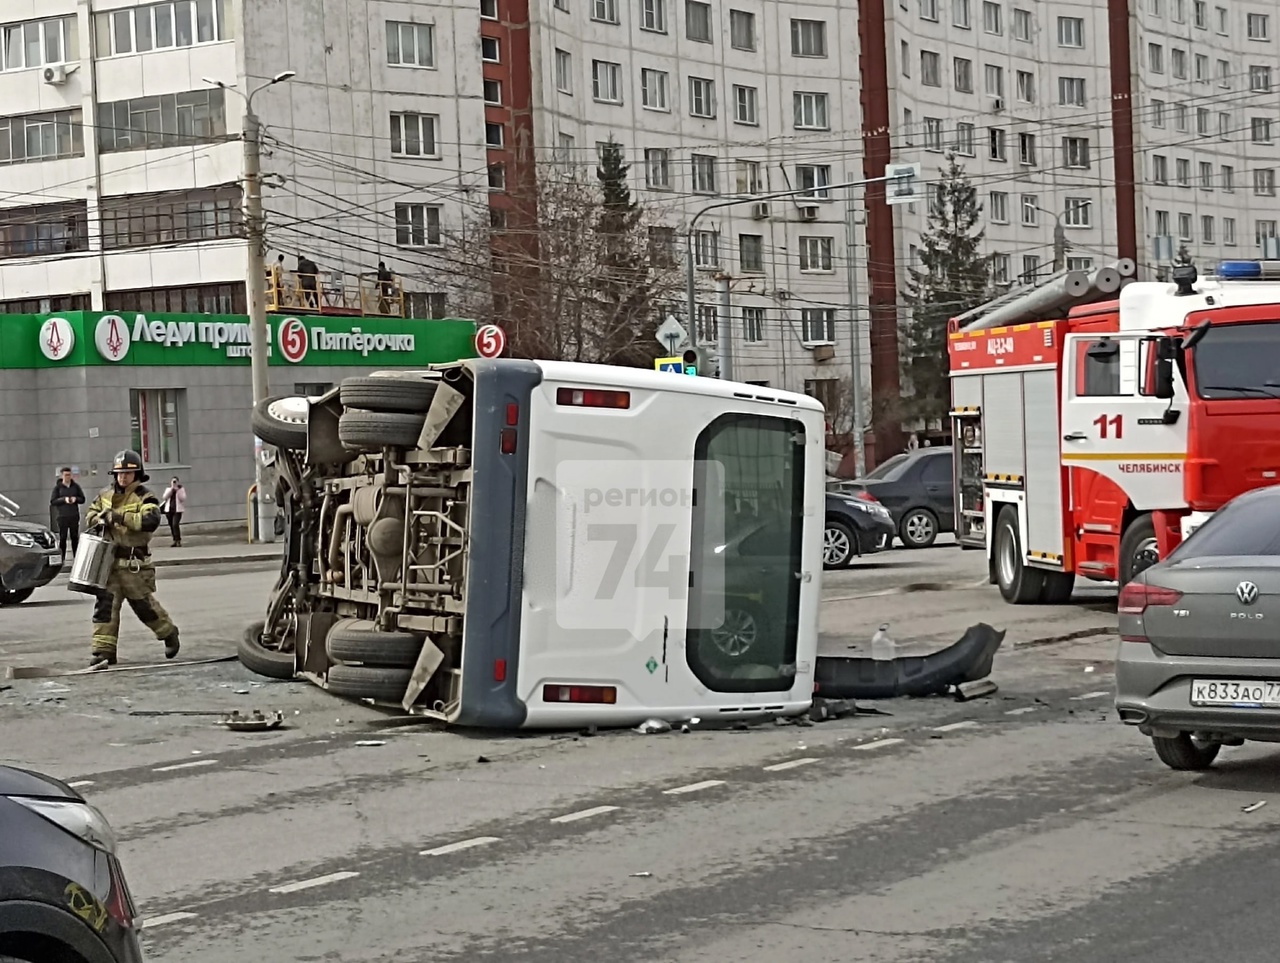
(137, 338)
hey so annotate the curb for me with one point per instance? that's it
(1067, 637)
(216, 560)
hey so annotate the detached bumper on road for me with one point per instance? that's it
(1153, 692)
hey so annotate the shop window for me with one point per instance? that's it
(311, 389)
(747, 529)
(158, 418)
(187, 299)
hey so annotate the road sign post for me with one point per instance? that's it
(902, 183)
(672, 365)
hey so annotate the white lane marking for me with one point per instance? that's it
(1091, 695)
(953, 726)
(693, 787)
(879, 743)
(1022, 712)
(584, 814)
(309, 883)
(187, 765)
(79, 783)
(789, 764)
(154, 921)
(459, 846)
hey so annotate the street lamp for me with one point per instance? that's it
(256, 278)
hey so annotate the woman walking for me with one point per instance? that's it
(173, 502)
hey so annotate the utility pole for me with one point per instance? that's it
(855, 338)
(255, 283)
(1059, 244)
(724, 325)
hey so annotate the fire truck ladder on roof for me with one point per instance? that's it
(1049, 300)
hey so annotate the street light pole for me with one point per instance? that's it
(255, 282)
(690, 294)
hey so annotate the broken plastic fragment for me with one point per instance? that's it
(370, 742)
(650, 726)
(1254, 807)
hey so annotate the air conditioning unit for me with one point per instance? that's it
(997, 103)
(760, 210)
(808, 212)
(56, 74)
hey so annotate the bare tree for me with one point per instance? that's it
(579, 270)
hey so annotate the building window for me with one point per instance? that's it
(751, 253)
(1229, 231)
(158, 422)
(565, 145)
(493, 135)
(1071, 91)
(606, 82)
(1201, 14)
(908, 127)
(417, 225)
(1224, 74)
(657, 168)
(490, 50)
(489, 9)
(742, 30)
(998, 207)
(808, 38)
(1206, 176)
(1031, 210)
(1026, 81)
(929, 10)
(744, 105)
(708, 324)
(965, 139)
(605, 11)
(1264, 182)
(653, 15)
(1157, 113)
(497, 219)
(414, 135)
(169, 120)
(1259, 25)
(814, 179)
(994, 77)
(1178, 63)
(1078, 212)
(1027, 149)
(706, 249)
(1155, 58)
(930, 69)
(697, 21)
(1221, 13)
(653, 89)
(810, 111)
(1224, 125)
(1184, 227)
(1083, 264)
(1180, 116)
(497, 177)
(410, 44)
(311, 389)
(173, 217)
(159, 26)
(702, 97)
(1260, 79)
(1261, 130)
(1022, 25)
(747, 179)
(39, 43)
(962, 67)
(30, 138)
(960, 14)
(1228, 178)
(818, 325)
(493, 92)
(1183, 168)
(44, 229)
(1206, 228)
(996, 144)
(562, 5)
(228, 298)
(1070, 31)
(815, 254)
(1202, 69)
(933, 133)
(1030, 268)
(753, 325)
(1203, 120)
(1075, 152)
(662, 246)
(1000, 268)
(704, 173)
(905, 57)
(1159, 169)
(564, 72)
(992, 20)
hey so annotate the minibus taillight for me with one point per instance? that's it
(580, 693)
(593, 398)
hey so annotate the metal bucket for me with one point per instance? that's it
(95, 558)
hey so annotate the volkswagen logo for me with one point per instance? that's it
(1247, 593)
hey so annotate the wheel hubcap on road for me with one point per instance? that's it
(835, 546)
(738, 633)
(1145, 555)
(919, 528)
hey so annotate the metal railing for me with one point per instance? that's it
(362, 295)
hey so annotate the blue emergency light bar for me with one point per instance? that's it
(1249, 270)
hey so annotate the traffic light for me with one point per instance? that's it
(696, 362)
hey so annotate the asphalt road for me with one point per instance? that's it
(1027, 826)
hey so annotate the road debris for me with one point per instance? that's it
(640, 875)
(968, 691)
(650, 726)
(371, 742)
(1254, 807)
(255, 721)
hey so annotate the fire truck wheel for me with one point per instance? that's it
(1058, 587)
(369, 682)
(282, 422)
(918, 528)
(1018, 584)
(1138, 549)
(374, 430)
(356, 641)
(387, 394)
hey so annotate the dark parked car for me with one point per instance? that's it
(29, 555)
(857, 524)
(917, 488)
(63, 896)
(1198, 666)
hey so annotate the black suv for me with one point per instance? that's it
(63, 897)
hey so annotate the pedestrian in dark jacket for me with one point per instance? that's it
(66, 500)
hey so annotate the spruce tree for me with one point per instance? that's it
(954, 277)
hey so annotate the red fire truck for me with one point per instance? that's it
(1097, 420)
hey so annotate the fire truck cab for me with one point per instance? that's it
(1098, 420)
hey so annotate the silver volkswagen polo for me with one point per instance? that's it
(1199, 656)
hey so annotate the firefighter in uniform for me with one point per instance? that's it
(129, 515)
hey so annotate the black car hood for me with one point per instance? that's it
(27, 528)
(24, 782)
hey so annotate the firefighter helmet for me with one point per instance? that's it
(129, 460)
